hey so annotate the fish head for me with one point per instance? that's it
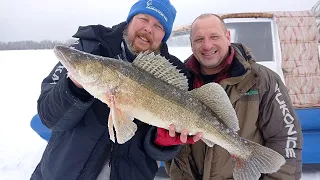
(96, 74)
(85, 68)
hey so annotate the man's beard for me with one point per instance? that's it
(131, 47)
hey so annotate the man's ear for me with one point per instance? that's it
(228, 36)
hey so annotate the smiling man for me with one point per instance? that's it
(79, 146)
(258, 95)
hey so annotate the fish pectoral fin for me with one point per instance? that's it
(110, 127)
(161, 68)
(262, 160)
(112, 115)
(215, 97)
(207, 142)
(124, 126)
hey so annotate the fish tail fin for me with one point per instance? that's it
(261, 160)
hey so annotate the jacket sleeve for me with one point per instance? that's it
(156, 152)
(61, 105)
(281, 129)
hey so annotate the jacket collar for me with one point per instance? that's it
(241, 73)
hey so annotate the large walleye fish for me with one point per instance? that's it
(152, 90)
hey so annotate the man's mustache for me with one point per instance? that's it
(145, 35)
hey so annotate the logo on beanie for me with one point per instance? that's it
(149, 6)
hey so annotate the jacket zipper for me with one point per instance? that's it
(106, 159)
(83, 171)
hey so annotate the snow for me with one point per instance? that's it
(21, 75)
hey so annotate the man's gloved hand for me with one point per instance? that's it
(170, 138)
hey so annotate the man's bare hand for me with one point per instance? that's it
(184, 135)
(170, 137)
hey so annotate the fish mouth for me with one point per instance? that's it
(64, 55)
(60, 52)
(74, 60)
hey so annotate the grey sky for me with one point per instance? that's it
(59, 19)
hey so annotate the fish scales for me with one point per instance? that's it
(168, 104)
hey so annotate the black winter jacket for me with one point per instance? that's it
(80, 144)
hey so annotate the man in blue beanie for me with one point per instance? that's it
(79, 146)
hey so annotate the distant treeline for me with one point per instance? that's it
(49, 44)
(24, 45)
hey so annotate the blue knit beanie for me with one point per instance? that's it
(162, 10)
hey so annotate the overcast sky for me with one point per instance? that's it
(59, 19)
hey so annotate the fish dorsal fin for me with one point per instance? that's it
(161, 68)
(214, 96)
